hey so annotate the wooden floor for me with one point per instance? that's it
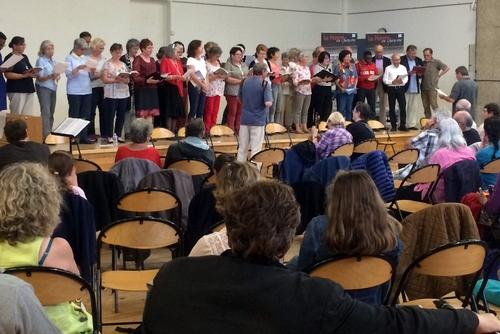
(131, 304)
(104, 155)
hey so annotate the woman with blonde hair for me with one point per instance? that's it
(232, 176)
(344, 231)
(335, 136)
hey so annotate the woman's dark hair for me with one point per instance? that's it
(115, 47)
(343, 54)
(2, 36)
(61, 164)
(222, 160)
(492, 108)
(367, 53)
(492, 130)
(16, 40)
(272, 51)
(363, 109)
(322, 56)
(235, 49)
(15, 130)
(192, 47)
(179, 43)
(84, 34)
(162, 52)
(145, 43)
(241, 45)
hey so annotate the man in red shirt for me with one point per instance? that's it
(367, 81)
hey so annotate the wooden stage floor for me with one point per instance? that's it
(104, 155)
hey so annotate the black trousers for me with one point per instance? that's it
(370, 96)
(397, 93)
(321, 101)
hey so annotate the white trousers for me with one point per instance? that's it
(414, 110)
(22, 104)
(250, 137)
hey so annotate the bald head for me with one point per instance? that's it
(396, 59)
(463, 104)
(379, 51)
(464, 120)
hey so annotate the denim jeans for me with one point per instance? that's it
(196, 101)
(345, 104)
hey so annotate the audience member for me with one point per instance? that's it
(412, 87)
(367, 82)
(62, 165)
(238, 71)
(321, 99)
(140, 133)
(198, 85)
(78, 86)
(19, 147)
(3, 92)
(132, 47)
(301, 78)
(381, 62)
(232, 176)
(256, 96)
(346, 83)
(215, 88)
(464, 120)
(464, 88)
(463, 104)
(489, 110)
(20, 309)
(260, 231)
(192, 147)
(96, 59)
(434, 70)
(46, 85)
(116, 95)
(491, 148)
(146, 82)
(395, 78)
(30, 203)
(343, 231)
(359, 129)
(20, 88)
(336, 135)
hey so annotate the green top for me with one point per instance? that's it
(431, 74)
(22, 254)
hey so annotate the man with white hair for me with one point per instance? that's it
(464, 120)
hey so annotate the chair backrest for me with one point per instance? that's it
(408, 156)
(455, 259)
(423, 122)
(354, 273)
(181, 133)
(55, 139)
(56, 286)
(376, 125)
(267, 159)
(221, 130)
(322, 126)
(83, 165)
(218, 227)
(161, 133)
(343, 150)
(275, 128)
(492, 167)
(366, 146)
(148, 200)
(425, 174)
(191, 167)
(140, 233)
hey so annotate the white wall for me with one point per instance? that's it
(447, 26)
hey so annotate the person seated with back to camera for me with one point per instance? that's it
(260, 230)
(62, 165)
(359, 129)
(336, 135)
(140, 133)
(193, 147)
(490, 150)
(342, 231)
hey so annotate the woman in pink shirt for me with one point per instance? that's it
(452, 149)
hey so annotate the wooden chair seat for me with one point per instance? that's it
(127, 280)
(411, 206)
(366, 146)
(397, 183)
(386, 142)
(343, 150)
(492, 167)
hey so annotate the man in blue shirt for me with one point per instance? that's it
(412, 87)
(256, 97)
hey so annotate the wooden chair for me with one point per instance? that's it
(492, 167)
(137, 233)
(191, 167)
(267, 159)
(56, 140)
(181, 132)
(83, 165)
(405, 157)
(276, 129)
(366, 146)
(149, 200)
(426, 174)
(378, 126)
(56, 286)
(345, 150)
(223, 131)
(455, 259)
(322, 127)
(161, 133)
(355, 273)
(423, 122)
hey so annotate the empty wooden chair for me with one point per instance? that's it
(322, 127)
(161, 134)
(344, 150)
(273, 129)
(181, 132)
(227, 132)
(366, 146)
(55, 140)
(404, 157)
(83, 165)
(378, 126)
(267, 159)
(423, 122)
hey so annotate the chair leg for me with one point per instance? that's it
(115, 293)
(393, 149)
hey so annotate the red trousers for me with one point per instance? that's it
(233, 112)
(212, 104)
